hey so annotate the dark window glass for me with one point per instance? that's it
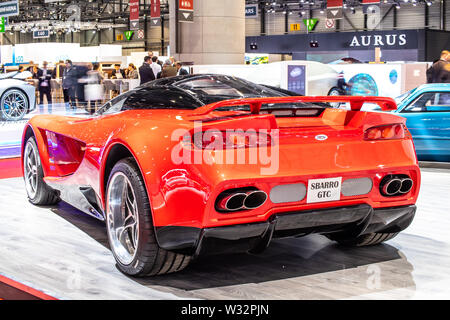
(430, 102)
(209, 89)
(151, 98)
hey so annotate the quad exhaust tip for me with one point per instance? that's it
(239, 200)
(396, 185)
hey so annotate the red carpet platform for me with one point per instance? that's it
(10, 168)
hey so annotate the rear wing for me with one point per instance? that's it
(356, 103)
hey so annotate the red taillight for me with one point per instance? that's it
(387, 132)
(215, 139)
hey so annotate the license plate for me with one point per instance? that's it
(324, 190)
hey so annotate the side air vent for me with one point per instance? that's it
(288, 193)
(356, 187)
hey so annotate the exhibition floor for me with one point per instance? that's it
(65, 254)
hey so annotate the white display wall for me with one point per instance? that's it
(54, 52)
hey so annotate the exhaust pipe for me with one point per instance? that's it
(392, 187)
(407, 185)
(255, 199)
(396, 185)
(240, 200)
(232, 202)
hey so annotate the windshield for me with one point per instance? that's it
(400, 99)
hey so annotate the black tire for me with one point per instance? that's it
(43, 195)
(369, 239)
(149, 259)
(335, 92)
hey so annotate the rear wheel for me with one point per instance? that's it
(130, 226)
(39, 193)
(369, 239)
(13, 105)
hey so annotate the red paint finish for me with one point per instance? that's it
(184, 194)
(10, 168)
(13, 290)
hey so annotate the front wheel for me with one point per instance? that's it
(13, 105)
(130, 227)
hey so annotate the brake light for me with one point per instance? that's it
(386, 132)
(215, 139)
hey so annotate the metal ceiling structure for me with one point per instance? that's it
(76, 15)
(300, 6)
(111, 12)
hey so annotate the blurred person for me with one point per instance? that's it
(33, 69)
(440, 70)
(172, 59)
(44, 76)
(168, 70)
(21, 68)
(150, 54)
(81, 73)
(117, 73)
(59, 70)
(132, 72)
(146, 72)
(69, 84)
(180, 70)
(94, 90)
(343, 87)
(155, 66)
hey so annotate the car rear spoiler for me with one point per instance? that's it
(356, 103)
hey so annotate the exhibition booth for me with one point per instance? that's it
(423, 45)
(303, 77)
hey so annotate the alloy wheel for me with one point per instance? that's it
(122, 218)
(31, 169)
(14, 105)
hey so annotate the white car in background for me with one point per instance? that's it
(17, 97)
(321, 79)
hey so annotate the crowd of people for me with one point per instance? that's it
(152, 68)
(82, 83)
(439, 72)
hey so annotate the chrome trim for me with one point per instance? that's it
(122, 218)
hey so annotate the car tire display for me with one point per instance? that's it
(369, 239)
(14, 105)
(39, 193)
(130, 227)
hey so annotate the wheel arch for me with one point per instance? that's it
(115, 152)
(28, 132)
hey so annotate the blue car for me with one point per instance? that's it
(427, 113)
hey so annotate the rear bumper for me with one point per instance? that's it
(353, 221)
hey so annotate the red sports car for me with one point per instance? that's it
(201, 164)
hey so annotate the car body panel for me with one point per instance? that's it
(430, 129)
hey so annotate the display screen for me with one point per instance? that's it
(297, 79)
